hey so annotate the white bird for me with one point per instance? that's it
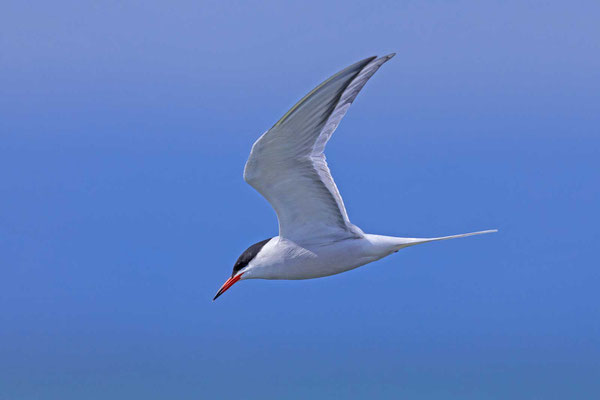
(287, 166)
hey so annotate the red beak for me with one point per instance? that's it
(229, 283)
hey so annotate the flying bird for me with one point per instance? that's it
(287, 166)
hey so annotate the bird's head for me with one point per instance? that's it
(242, 266)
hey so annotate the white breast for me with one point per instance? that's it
(284, 259)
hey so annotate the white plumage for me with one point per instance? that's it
(287, 166)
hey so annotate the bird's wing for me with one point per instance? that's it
(287, 165)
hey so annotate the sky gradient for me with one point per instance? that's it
(124, 129)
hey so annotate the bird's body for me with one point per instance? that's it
(287, 166)
(281, 258)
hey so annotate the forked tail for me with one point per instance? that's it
(459, 236)
(412, 241)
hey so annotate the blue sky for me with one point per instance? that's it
(124, 129)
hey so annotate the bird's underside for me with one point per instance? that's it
(287, 166)
(279, 258)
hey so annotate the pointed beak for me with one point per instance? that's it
(229, 283)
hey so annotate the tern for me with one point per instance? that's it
(287, 166)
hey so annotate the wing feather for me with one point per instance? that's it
(288, 167)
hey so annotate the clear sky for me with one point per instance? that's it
(124, 129)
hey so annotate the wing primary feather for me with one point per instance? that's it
(309, 94)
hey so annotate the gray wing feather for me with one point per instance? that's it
(288, 167)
